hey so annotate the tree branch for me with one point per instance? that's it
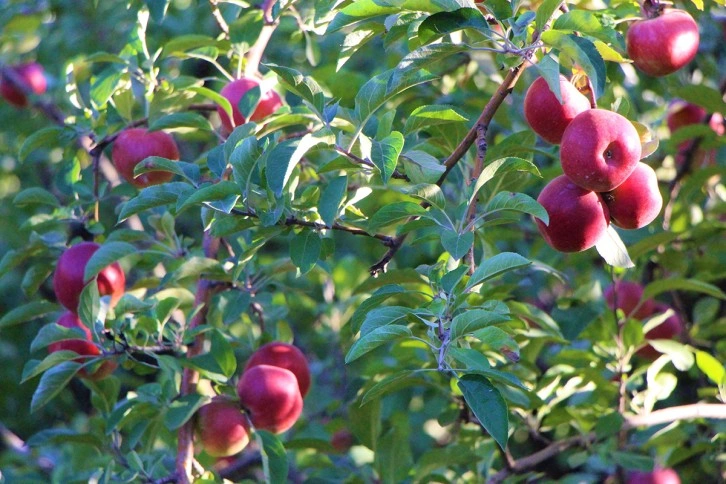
(673, 414)
(254, 55)
(217, 14)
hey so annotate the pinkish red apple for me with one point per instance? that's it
(33, 75)
(627, 295)
(546, 115)
(269, 102)
(285, 356)
(272, 397)
(637, 201)
(222, 428)
(133, 145)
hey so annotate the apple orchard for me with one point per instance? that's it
(362, 241)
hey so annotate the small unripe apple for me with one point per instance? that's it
(33, 75)
(222, 428)
(656, 476)
(133, 145)
(272, 397)
(285, 356)
(626, 295)
(68, 278)
(599, 150)
(661, 45)
(83, 347)
(669, 329)
(637, 201)
(578, 217)
(546, 115)
(269, 102)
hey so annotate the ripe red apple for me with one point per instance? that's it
(545, 115)
(599, 150)
(682, 113)
(285, 356)
(661, 45)
(270, 102)
(637, 201)
(578, 217)
(626, 295)
(272, 397)
(222, 428)
(133, 145)
(33, 75)
(669, 329)
(656, 476)
(68, 278)
(84, 347)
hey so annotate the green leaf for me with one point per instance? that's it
(443, 23)
(422, 167)
(355, 40)
(390, 383)
(214, 192)
(707, 97)
(549, 69)
(359, 10)
(180, 120)
(383, 316)
(285, 156)
(679, 284)
(50, 333)
(474, 320)
(710, 367)
(501, 9)
(27, 312)
(182, 409)
(47, 137)
(106, 255)
(223, 353)
(496, 266)
(457, 244)
(301, 85)
(427, 192)
(52, 382)
(274, 458)
(34, 368)
(189, 171)
(243, 159)
(426, 116)
(393, 213)
(215, 97)
(153, 196)
(105, 84)
(544, 13)
(487, 405)
(89, 304)
(680, 354)
(184, 43)
(613, 250)
(424, 57)
(583, 52)
(376, 338)
(377, 91)
(473, 360)
(517, 202)
(305, 250)
(385, 153)
(331, 199)
(244, 30)
(35, 196)
(500, 168)
(452, 278)
(373, 302)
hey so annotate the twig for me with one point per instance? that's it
(481, 153)
(362, 161)
(217, 14)
(673, 414)
(254, 55)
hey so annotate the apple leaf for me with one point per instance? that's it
(496, 266)
(426, 116)
(710, 367)
(517, 202)
(383, 316)
(373, 303)
(393, 213)
(648, 141)
(704, 96)
(357, 39)
(52, 382)
(390, 383)
(474, 320)
(50, 136)
(443, 23)
(500, 167)
(457, 244)
(376, 338)
(305, 250)
(154, 196)
(427, 192)
(385, 153)
(613, 250)
(488, 406)
(35, 196)
(50, 333)
(679, 354)
(544, 13)
(180, 120)
(331, 199)
(583, 52)
(27, 312)
(679, 284)
(209, 193)
(274, 458)
(305, 87)
(34, 368)
(549, 69)
(422, 167)
(182, 409)
(106, 255)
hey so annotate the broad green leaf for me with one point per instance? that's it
(457, 244)
(583, 21)
(389, 384)
(274, 458)
(488, 406)
(710, 367)
(50, 333)
(190, 171)
(214, 97)
(583, 52)
(443, 23)
(393, 213)
(382, 316)
(357, 11)
(377, 91)
(284, 157)
(35, 196)
(355, 40)
(223, 353)
(34, 368)
(305, 87)
(518, 202)
(332, 198)
(184, 43)
(385, 153)
(427, 192)
(243, 31)
(424, 57)
(373, 302)
(680, 354)
(452, 278)
(393, 459)
(472, 359)
(182, 409)
(549, 69)
(499, 168)
(180, 120)
(243, 159)
(47, 137)
(496, 266)
(376, 338)
(153, 196)
(500, 9)
(106, 255)
(27, 312)
(397, 276)
(474, 320)
(89, 304)
(422, 167)
(305, 250)
(613, 250)
(426, 116)
(702, 95)
(52, 382)
(214, 192)
(545, 12)
(105, 84)
(679, 284)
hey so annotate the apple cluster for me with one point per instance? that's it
(628, 297)
(271, 391)
(68, 283)
(603, 179)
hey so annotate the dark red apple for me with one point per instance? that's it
(626, 295)
(269, 102)
(682, 113)
(671, 328)
(68, 278)
(546, 115)
(656, 476)
(661, 45)
(83, 347)
(272, 397)
(222, 428)
(133, 145)
(285, 356)
(599, 150)
(578, 217)
(342, 440)
(637, 201)
(33, 75)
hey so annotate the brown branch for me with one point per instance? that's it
(254, 55)
(673, 414)
(366, 162)
(217, 14)
(481, 154)
(185, 446)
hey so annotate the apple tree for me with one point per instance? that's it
(362, 241)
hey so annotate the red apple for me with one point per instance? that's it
(285, 356)
(33, 75)
(626, 295)
(682, 113)
(84, 347)
(270, 102)
(657, 476)
(68, 278)
(272, 397)
(133, 145)
(578, 217)
(637, 201)
(599, 150)
(342, 440)
(222, 428)
(669, 329)
(661, 45)
(546, 115)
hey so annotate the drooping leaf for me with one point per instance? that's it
(583, 52)
(331, 199)
(385, 153)
(376, 338)
(52, 382)
(106, 255)
(457, 244)
(488, 406)
(27, 312)
(305, 249)
(393, 213)
(611, 247)
(274, 458)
